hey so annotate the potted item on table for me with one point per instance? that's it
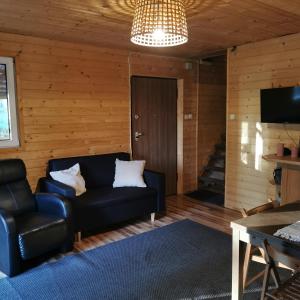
(280, 149)
(294, 151)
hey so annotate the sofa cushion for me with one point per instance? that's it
(108, 196)
(97, 170)
(101, 207)
(129, 173)
(71, 177)
(39, 234)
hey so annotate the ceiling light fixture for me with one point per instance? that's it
(159, 23)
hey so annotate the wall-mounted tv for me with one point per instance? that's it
(280, 105)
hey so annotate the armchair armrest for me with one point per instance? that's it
(48, 185)
(156, 180)
(53, 204)
(9, 258)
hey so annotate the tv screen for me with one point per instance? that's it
(280, 105)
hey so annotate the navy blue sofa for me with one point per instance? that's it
(102, 205)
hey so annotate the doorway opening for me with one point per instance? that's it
(211, 130)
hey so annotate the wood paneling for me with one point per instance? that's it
(211, 108)
(74, 100)
(155, 66)
(267, 64)
(69, 103)
(213, 24)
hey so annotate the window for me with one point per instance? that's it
(8, 112)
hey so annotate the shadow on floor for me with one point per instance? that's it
(207, 196)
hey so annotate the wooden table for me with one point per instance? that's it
(254, 230)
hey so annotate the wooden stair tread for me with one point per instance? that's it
(213, 176)
(217, 156)
(215, 168)
(211, 179)
(217, 190)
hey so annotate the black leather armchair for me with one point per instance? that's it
(31, 225)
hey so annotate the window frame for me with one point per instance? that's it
(14, 141)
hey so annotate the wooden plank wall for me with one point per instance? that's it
(211, 107)
(267, 64)
(74, 100)
(69, 102)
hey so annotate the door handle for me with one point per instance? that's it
(137, 135)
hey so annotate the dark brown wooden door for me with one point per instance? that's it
(154, 125)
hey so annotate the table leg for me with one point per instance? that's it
(237, 265)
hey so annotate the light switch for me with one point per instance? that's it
(232, 117)
(188, 116)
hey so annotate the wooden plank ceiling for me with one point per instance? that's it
(214, 25)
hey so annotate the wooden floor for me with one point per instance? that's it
(178, 208)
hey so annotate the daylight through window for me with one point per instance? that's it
(8, 112)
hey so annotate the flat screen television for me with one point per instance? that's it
(280, 105)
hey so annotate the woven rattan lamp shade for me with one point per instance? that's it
(159, 23)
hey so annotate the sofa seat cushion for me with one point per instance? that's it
(109, 196)
(100, 207)
(39, 233)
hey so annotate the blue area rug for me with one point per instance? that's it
(184, 260)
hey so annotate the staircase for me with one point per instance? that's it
(213, 176)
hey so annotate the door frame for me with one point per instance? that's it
(180, 84)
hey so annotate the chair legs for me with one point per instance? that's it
(265, 282)
(78, 236)
(247, 260)
(269, 270)
(152, 218)
(246, 264)
(259, 259)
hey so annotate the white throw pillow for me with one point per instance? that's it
(71, 177)
(129, 173)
